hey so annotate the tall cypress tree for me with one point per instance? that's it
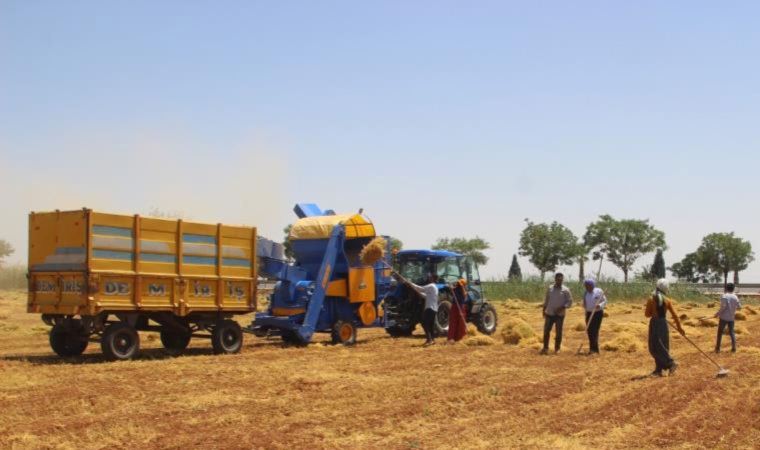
(658, 266)
(515, 274)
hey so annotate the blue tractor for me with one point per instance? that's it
(403, 308)
(327, 288)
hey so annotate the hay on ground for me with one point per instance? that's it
(740, 316)
(683, 316)
(750, 310)
(708, 322)
(624, 342)
(711, 305)
(479, 340)
(514, 330)
(374, 251)
(580, 326)
(691, 323)
(472, 330)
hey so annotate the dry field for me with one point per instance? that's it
(383, 393)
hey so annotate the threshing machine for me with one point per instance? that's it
(326, 289)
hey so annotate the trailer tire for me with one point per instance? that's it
(227, 337)
(487, 319)
(344, 332)
(174, 341)
(120, 342)
(68, 341)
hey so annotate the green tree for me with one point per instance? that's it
(624, 241)
(548, 246)
(658, 266)
(724, 252)
(515, 273)
(693, 270)
(6, 250)
(396, 244)
(473, 248)
(286, 243)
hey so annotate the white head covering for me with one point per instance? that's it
(663, 285)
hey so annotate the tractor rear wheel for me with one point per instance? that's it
(227, 337)
(68, 341)
(487, 319)
(344, 332)
(120, 342)
(174, 341)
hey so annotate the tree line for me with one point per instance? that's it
(622, 242)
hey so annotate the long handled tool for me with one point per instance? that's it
(590, 318)
(722, 372)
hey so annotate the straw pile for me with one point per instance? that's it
(740, 316)
(708, 322)
(373, 252)
(750, 310)
(624, 342)
(515, 330)
(580, 326)
(683, 316)
(479, 340)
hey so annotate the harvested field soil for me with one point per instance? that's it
(383, 393)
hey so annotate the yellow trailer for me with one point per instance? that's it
(111, 275)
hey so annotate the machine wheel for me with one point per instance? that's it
(401, 331)
(227, 337)
(120, 342)
(444, 311)
(174, 341)
(68, 341)
(344, 333)
(487, 319)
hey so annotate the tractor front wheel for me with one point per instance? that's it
(487, 319)
(344, 332)
(442, 317)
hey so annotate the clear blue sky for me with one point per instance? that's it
(438, 118)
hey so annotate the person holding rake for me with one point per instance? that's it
(594, 302)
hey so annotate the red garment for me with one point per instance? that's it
(457, 323)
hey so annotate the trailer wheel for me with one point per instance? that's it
(344, 333)
(120, 342)
(174, 341)
(68, 341)
(487, 319)
(227, 337)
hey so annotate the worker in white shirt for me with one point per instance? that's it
(430, 293)
(594, 302)
(729, 303)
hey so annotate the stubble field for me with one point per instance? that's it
(384, 393)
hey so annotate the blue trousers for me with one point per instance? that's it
(721, 328)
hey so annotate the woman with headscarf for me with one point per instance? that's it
(458, 315)
(659, 334)
(594, 302)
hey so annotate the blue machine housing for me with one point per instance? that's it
(299, 305)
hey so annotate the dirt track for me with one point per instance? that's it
(384, 393)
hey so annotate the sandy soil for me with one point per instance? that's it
(383, 393)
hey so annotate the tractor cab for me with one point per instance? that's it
(404, 310)
(449, 267)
